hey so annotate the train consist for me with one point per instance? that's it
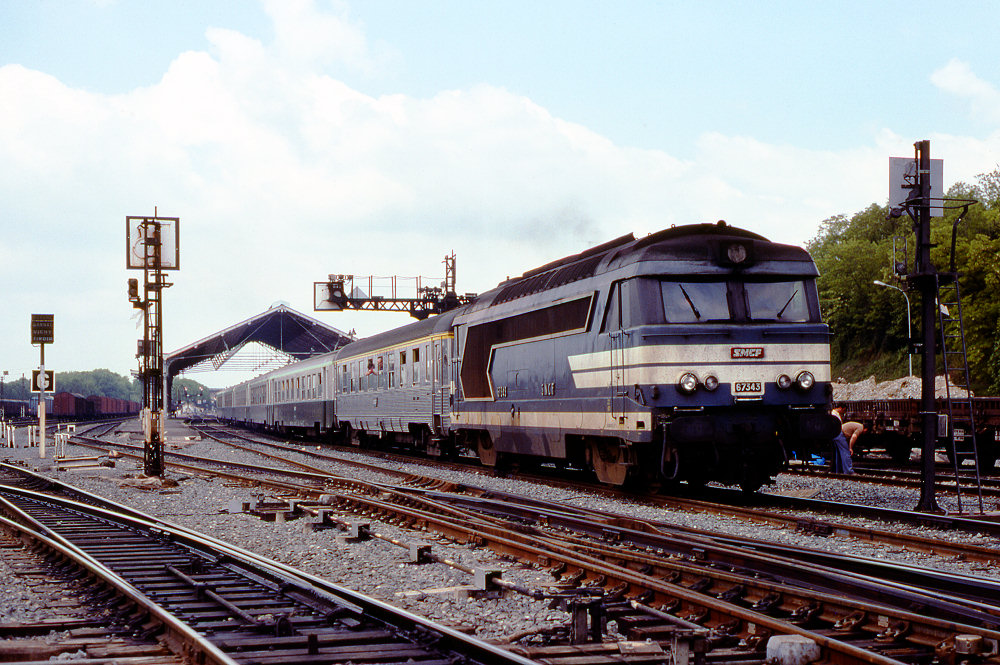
(895, 425)
(70, 406)
(696, 353)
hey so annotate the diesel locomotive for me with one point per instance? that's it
(696, 354)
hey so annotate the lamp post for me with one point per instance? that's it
(909, 334)
(3, 378)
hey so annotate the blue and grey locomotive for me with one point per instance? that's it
(696, 353)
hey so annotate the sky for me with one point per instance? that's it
(298, 138)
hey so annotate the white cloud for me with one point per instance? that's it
(305, 35)
(958, 79)
(282, 174)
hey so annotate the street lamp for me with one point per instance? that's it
(3, 410)
(909, 334)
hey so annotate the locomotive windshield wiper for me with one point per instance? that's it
(694, 309)
(782, 310)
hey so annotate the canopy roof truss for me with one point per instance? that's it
(271, 339)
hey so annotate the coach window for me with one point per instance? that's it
(402, 368)
(416, 366)
(392, 370)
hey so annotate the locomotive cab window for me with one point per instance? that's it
(763, 300)
(689, 302)
(777, 301)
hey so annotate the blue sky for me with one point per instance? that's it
(299, 138)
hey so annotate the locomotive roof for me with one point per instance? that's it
(698, 243)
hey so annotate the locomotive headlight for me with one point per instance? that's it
(805, 380)
(736, 253)
(688, 383)
(710, 383)
(784, 381)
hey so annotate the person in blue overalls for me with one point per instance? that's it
(843, 443)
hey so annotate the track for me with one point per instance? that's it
(800, 593)
(235, 607)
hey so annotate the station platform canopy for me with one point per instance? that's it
(280, 329)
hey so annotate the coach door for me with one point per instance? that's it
(437, 384)
(269, 408)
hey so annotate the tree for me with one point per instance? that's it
(868, 323)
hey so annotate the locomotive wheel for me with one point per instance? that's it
(486, 450)
(608, 459)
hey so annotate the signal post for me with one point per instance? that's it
(42, 380)
(153, 246)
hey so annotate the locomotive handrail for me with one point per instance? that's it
(727, 333)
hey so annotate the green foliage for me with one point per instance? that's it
(106, 383)
(15, 388)
(195, 392)
(868, 322)
(99, 382)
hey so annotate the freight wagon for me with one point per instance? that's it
(896, 426)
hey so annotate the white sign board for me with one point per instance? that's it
(903, 172)
(140, 255)
(325, 299)
(43, 381)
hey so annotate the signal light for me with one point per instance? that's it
(133, 294)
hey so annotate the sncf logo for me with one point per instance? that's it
(746, 352)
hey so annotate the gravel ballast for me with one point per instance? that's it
(383, 571)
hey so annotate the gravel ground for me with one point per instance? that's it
(380, 570)
(907, 387)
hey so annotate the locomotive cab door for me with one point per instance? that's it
(615, 322)
(455, 368)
